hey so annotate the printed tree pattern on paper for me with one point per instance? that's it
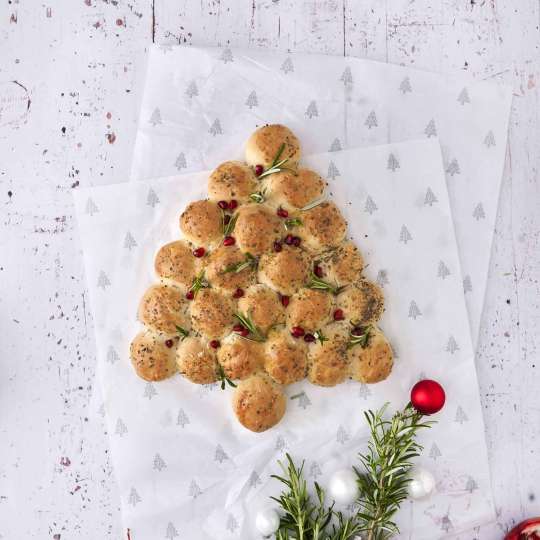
(220, 455)
(489, 140)
(446, 524)
(478, 212)
(333, 171)
(452, 345)
(103, 281)
(155, 119)
(215, 128)
(382, 278)
(364, 392)
(303, 401)
(287, 66)
(159, 463)
(254, 480)
(101, 410)
(404, 235)
(149, 390)
(129, 241)
(414, 310)
(405, 86)
(194, 489)
(281, 444)
(227, 56)
(471, 485)
(431, 129)
(91, 207)
(152, 198)
(312, 110)
(464, 97)
(443, 271)
(121, 428)
(370, 206)
(315, 470)
(341, 435)
(171, 531)
(371, 120)
(434, 452)
(182, 419)
(430, 198)
(231, 524)
(467, 284)
(112, 355)
(393, 163)
(134, 497)
(461, 417)
(180, 162)
(192, 90)
(335, 146)
(453, 168)
(347, 78)
(252, 100)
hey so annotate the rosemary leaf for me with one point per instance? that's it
(362, 339)
(182, 331)
(228, 228)
(313, 204)
(292, 222)
(250, 261)
(224, 379)
(255, 334)
(278, 164)
(319, 284)
(258, 197)
(199, 283)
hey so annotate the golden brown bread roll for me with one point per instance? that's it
(362, 302)
(263, 305)
(232, 180)
(257, 228)
(373, 363)
(201, 223)
(285, 271)
(221, 271)
(259, 403)
(175, 264)
(309, 309)
(264, 144)
(239, 357)
(163, 308)
(196, 361)
(285, 358)
(343, 264)
(212, 313)
(292, 190)
(152, 358)
(323, 226)
(327, 361)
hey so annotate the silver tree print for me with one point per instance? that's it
(303, 401)
(254, 480)
(159, 463)
(452, 345)
(446, 524)
(341, 435)
(346, 78)
(464, 97)
(194, 489)
(231, 524)
(467, 284)
(414, 310)
(149, 390)
(155, 118)
(404, 235)
(333, 171)
(180, 162)
(129, 241)
(489, 139)
(312, 110)
(478, 212)
(430, 198)
(315, 470)
(370, 205)
(252, 100)
(192, 90)
(431, 129)
(453, 168)
(112, 355)
(393, 163)
(152, 199)
(434, 452)
(335, 146)
(287, 66)
(382, 277)
(443, 272)
(91, 207)
(220, 455)
(371, 120)
(182, 419)
(405, 86)
(364, 392)
(134, 497)
(227, 56)
(281, 444)
(103, 281)
(461, 417)
(471, 485)
(215, 128)
(121, 428)
(171, 531)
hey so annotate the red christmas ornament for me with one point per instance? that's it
(427, 396)
(526, 530)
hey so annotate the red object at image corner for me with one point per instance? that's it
(526, 530)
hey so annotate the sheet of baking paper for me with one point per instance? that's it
(200, 105)
(186, 468)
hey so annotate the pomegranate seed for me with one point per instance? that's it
(277, 247)
(169, 343)
(238, 328)
(338, 315)
(297, 331)
(226, 219)
(233, 204)
(190, 295)
(199, 252)
(357, 331)
(244, 332)
(238, 293)
(223, 205)
(318, 271)
(289, 239)
(285, 301)
(309, 338)
(215, 344)
(296, 241)
(259, 169)
(229, 241)
(281, 212)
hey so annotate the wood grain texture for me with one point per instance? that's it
(81, 64)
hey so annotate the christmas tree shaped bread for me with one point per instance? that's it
(263, 290)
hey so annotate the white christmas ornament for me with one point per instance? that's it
(422, 483)
(343, 487)
(267, 521)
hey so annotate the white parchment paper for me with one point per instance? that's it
(186, 468)
(200, 105)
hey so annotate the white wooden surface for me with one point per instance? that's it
(82, 64)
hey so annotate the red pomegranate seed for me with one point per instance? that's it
(190, 295)
(199, 252)
(223, 205)
(318, 271)
(357, 331)
(297, 331)
(226, 219)
(238, 328)
(285, 301)
(309, 338)
(244, 332)
(259, 169)
(338, 315)
(289, 239)
(238, 293)
(215, 344)
(229, 241)
(233, 204)
(169, 343)
(296, 241)
(277, 246)
(281, 212)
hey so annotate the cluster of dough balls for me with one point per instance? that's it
(263, 290)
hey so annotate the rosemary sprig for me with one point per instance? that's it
(313, 204)
(182, 331)
(228, 228)
(319, 284)
(255, 333)
(258, 197)
(278, 165)
(361, 339)
(224, 379)
(199, 283)
(320, 337)
(292, 222)
(249, 262)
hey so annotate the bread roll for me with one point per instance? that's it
(196, 361)
(239, 357)
(285, 358)
(310, 309)
(293, 191)
(264, 144)
(201, 223)
(323, 226)
(373, 363)
(257, 228)
(176, 265)
(151, 358)
(263, 305)
(285, 271)
(212, 313)
(342, 265)
(163, 308)
(220, 273)
(362, 302)
(232, 180)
